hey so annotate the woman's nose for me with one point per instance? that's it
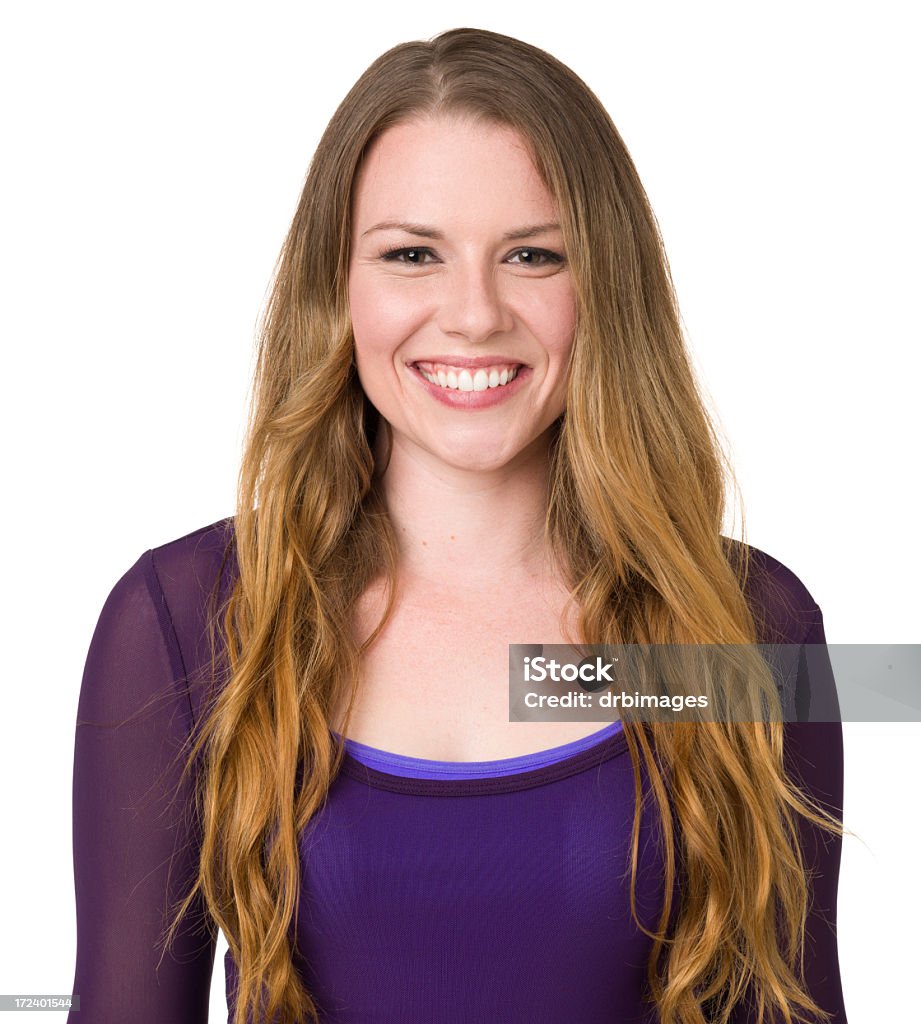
(472, 305)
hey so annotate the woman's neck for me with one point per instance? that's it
(468, 530)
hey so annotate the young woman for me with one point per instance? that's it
(474, 424)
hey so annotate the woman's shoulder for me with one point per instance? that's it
(194, 574)
(152, 635)
(785, 609)
(197, 551)
(167, 603)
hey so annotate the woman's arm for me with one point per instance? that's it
(814, 758)
(134, 846)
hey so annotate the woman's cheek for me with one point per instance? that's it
(386, 314)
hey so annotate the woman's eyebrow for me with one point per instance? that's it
(425, 231)
(528, 232)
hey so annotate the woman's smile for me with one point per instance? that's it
(461, 387)
(482, 389)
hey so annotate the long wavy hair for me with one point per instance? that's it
(636, 504)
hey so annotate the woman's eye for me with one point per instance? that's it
(535, 257)
(417, 256)
(414, 256)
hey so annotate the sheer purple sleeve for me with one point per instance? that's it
(134, 847)
(814, 758)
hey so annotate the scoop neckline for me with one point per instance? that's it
(608, 747)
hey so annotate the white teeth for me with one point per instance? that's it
(464, 381)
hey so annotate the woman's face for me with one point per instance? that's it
(462, 303)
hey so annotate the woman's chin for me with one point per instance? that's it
(480, 458)
(475, 461)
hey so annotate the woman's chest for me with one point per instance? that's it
(435, 684)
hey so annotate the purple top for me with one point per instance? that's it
(500, 893)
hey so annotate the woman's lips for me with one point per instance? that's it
(466, 396)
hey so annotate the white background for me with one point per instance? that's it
(153, 159)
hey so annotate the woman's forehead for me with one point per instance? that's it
(448, 171)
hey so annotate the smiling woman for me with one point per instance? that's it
(449, 311)
(474, 424)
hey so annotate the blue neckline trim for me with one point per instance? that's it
(425, 768)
